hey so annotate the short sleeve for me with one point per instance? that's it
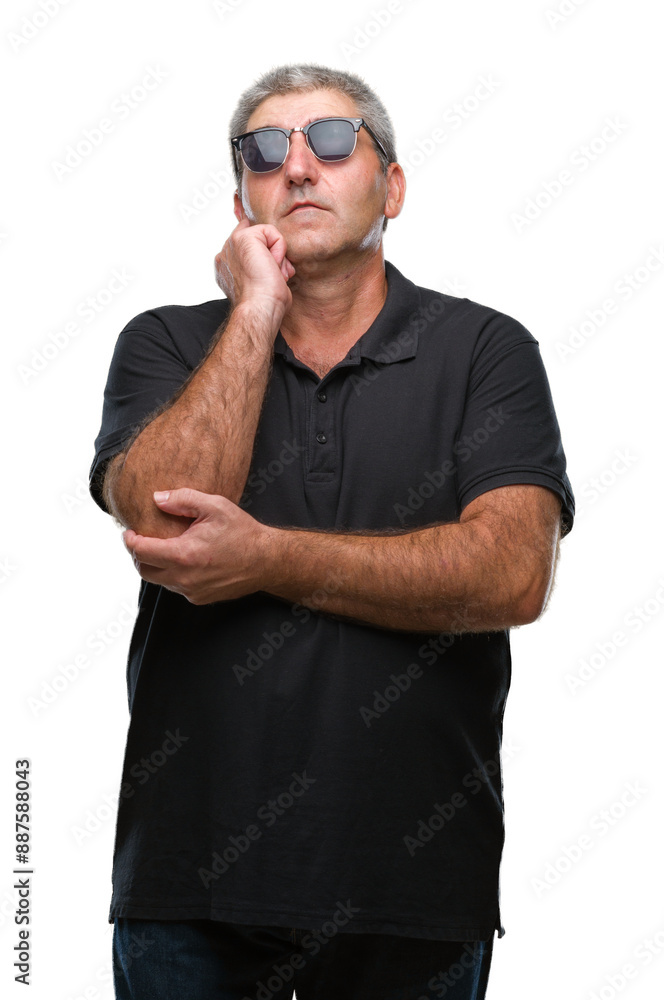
(145, 371)
(509, 433)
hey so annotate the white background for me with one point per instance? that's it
(65, 573)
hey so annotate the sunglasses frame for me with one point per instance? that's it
(357, 123)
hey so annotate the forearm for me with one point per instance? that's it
(447, 578)
(204, 438)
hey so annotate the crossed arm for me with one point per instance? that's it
(492, 570)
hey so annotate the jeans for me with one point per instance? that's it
(213, 960)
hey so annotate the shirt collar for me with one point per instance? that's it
(393, 334)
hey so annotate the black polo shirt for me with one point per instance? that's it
(281, 763)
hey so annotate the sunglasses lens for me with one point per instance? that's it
(264, 150)
(332, 140)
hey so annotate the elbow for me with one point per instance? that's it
(531, 602)
(121, 496)
(132, 507)
(109, 488)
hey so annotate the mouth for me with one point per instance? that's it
(304, 205)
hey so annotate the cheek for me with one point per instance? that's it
(370, 186)
(380, 187)
(259, 204)
(244, 199)
(370, 196)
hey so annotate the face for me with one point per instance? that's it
(348, 199)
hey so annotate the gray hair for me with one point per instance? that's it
(304, 77)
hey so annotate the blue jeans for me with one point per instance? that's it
(213, 960)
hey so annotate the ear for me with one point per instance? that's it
(396, 190)
(237, 207)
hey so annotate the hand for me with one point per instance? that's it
(252, 267)
(221, 556)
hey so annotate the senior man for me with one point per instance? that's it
(341, 490)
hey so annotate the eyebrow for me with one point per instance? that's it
(308, 122)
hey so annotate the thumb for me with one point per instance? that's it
(184, 502)
(287, 269)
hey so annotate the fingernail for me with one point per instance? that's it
(161, 496)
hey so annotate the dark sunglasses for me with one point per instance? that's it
(329, 139)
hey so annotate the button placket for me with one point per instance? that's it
(322, 452)
(322, 449)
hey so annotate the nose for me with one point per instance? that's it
(301, 165)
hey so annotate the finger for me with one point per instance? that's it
(287, 269)
(155, 553)
(128, 538)
(160, 577)
(275, 243)
(151, 574)
(185, 502)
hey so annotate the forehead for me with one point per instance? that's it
(297, 110)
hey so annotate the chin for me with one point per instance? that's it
(311, 246)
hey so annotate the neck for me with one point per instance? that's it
(332, 309)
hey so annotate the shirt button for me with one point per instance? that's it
(322, 396)
(321, 438)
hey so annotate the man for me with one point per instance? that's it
(340, 490)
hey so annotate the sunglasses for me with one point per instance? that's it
(329, 139)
